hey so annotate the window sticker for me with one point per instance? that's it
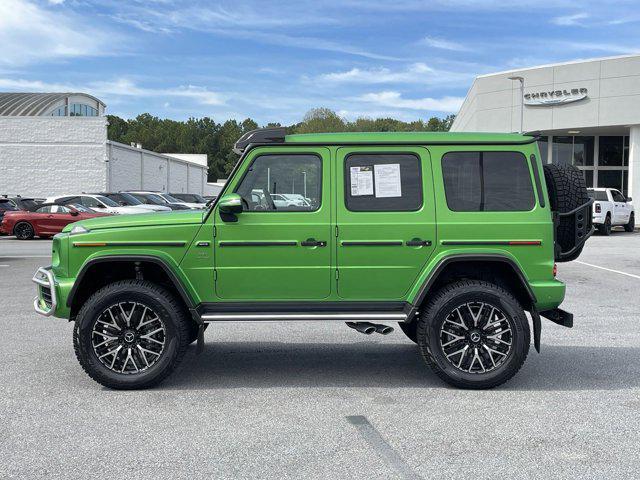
(361, 181)
(388, 180)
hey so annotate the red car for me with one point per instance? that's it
(44, 220)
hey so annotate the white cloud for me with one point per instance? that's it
(30, 33)
(570, 20)
(415, 73)
(443, 44)
(394, 100)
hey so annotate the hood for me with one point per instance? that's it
(183, 217)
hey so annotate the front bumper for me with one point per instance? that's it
(46, 300)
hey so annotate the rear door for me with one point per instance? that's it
(385, 216)
(277, 251)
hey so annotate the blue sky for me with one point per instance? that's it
(274, 60)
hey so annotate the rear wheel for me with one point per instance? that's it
(630, 227)
(605, 228)
(474, 334)
(23, 231)
(131, 334)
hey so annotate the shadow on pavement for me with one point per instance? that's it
(364, 365)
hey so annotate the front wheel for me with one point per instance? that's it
(131, 334)
(23, 231)
(474, 334)
(630, 227)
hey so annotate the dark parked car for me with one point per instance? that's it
(154, 199)
(23, 203)
(127, 200)
(44, 220)
(6, 206)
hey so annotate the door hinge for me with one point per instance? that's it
(215, 275)
(336, 231)
(215, 231)
(337, 274)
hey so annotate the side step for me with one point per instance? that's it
(303, 316)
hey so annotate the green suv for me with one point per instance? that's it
(454, 236)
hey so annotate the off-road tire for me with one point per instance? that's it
(445, 301)
(23, 231)
(567, 191)
(605, 228)
(410, 330)
(631, 225)
(164, 304)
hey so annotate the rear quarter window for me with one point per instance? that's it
(487, 182)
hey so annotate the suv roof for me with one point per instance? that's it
(268, 136)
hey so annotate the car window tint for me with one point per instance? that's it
(617, 196)
(487, 181)
(383, 182)
(271, 177)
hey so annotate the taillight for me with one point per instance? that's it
(598, 208)
(555, 269)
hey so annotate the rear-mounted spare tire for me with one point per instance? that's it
(572, 211)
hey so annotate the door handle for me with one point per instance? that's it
(417, 242)
(312, 242)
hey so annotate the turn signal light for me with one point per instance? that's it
(598, 208)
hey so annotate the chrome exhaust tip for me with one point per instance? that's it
(362, 327)
(383, 329)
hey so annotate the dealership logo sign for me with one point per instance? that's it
(555, 97)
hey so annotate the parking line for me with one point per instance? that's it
(609, 270)
(386, 451)
(25, 256)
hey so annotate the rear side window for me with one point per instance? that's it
(487, 182)
(383, 182)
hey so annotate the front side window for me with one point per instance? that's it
(383, 182)
(617, 196)
(283, 183)
(46, 209)
(487, 181)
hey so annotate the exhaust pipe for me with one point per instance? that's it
(368, 328)
(383, 329)
(362, 327)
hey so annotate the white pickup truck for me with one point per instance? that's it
(611, 208)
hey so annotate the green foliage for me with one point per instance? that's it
(204, 135)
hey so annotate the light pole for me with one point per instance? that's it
(521, 80)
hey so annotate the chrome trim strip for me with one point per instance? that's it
(230, 317)
(51, 285)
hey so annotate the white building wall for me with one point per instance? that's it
(138, 169)
(45, 156)
(178, 179)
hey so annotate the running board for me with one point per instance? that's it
(304, 316)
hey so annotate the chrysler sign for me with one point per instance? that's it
(555, 97)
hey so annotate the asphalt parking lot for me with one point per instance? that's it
(317, 401)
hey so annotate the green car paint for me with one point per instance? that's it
(358, 256)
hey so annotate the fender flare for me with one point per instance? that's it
(182, 291)
(473, 257)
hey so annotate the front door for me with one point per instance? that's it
(385, 216)
(275, 249)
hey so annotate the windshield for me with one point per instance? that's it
(107, 201)
(599, 195)
(81, 208)
(7, 205)
(124, 198)
(28, 203)
(189, 197)
(170, 199)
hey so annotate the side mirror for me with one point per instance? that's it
(629, 199)
(123, 204)
(231, 204)
(99, 205)
(74, 213)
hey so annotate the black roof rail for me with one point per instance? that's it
(261, 136)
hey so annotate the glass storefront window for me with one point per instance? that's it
(588, 177)
(583, 151)
(610, 179)
(562, 150)
(625, 152)
(610, 152)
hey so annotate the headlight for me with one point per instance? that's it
(78, 229)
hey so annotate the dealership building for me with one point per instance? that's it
(56, 144)
(587, 114)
